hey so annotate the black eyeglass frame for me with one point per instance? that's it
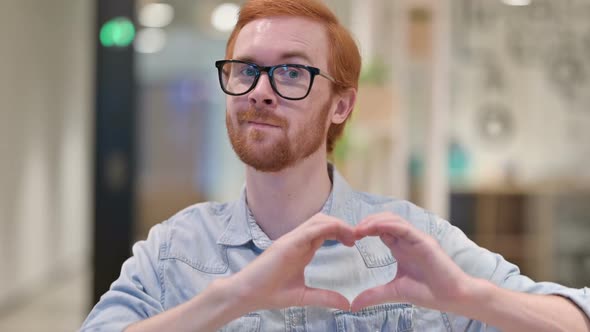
(313, 71)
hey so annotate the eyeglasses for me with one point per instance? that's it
(290, 81)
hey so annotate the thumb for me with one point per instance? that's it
(376, 295)
(317, 297)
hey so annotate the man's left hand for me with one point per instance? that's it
(426, 275)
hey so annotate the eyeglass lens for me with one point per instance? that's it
(287, 80)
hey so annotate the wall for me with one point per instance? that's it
(45, 142)
(522, 90)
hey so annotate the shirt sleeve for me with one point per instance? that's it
(482, 263)
(137, 293)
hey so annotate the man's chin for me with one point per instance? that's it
(262, 163)
(268, 170)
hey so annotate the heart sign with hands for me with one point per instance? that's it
(426, 276)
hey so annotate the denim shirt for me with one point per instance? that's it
(182, 255)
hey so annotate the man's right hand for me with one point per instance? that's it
(276, 278)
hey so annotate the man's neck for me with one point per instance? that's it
(283, 200)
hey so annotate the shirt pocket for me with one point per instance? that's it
(248, 323)
(390, 317)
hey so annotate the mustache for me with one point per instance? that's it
(261, 115)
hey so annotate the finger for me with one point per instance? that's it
(368, 220)
(374, 296)
(379, 216)
(389, 240)
(324, 298)
(330, 230)
(361, 230)
(320, 218)
(403, 231)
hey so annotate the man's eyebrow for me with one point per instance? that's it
(296, 54)
(244, 58)
(286, 55)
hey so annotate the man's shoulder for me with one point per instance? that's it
(191, 235)
(205, 214)
(196, 222)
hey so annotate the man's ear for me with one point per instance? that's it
(345, 105)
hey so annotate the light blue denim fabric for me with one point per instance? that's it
(211, 240)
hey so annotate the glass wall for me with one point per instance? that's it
(184, 155)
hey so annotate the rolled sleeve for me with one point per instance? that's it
(507, 275)
(137, 293)
(482, 263)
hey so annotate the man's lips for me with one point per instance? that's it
(262, 124)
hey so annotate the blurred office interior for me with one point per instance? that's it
(111, 120)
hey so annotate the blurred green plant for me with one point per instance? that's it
(342, 147)
(375, 72)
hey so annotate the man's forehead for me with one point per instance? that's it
(293, 24)
(282, 37)
(262, 25)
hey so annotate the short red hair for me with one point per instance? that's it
(344, 59)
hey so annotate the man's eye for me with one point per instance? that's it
(249, 71)
(291, 73)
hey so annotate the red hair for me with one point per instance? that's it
(344, 59)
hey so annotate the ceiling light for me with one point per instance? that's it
(517, 2)
(150, 40)
(156, 15)
(225, 16)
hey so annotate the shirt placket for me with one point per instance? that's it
(295, 319)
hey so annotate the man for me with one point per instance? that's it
(300, 250)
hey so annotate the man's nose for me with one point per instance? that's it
(263, 94)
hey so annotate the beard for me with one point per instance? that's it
(274, 152)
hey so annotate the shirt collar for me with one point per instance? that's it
(237, 232)
(338, 205)
(342, 194)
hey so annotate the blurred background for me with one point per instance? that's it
(111, 120)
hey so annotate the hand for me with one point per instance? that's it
(276, 278)
(426, 275)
